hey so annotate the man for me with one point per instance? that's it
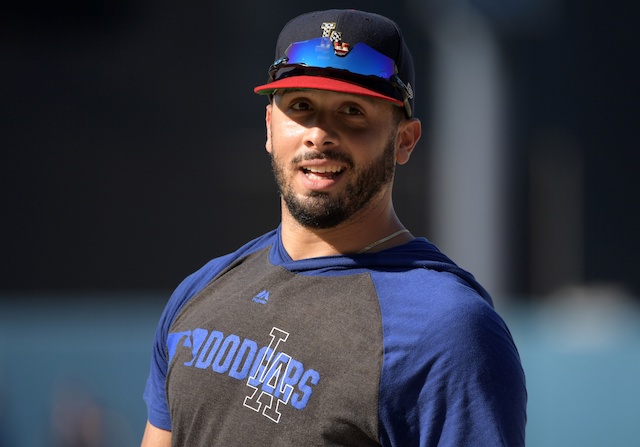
(339, 327)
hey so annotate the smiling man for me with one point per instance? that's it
(339, 327)
(334, 157)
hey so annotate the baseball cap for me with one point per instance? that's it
(347, 51)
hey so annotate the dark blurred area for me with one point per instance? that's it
(130, 134)
(133, 143)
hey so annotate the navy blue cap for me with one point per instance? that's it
(345, 28)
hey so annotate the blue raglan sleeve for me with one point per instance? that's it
(451, 373)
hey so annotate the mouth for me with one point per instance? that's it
(328, 172)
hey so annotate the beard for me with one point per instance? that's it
(321, 210)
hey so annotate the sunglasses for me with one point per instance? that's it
(361, 60)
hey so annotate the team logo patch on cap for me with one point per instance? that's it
(329, 31)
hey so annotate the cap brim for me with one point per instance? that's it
(322, 83)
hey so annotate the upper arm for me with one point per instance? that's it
(451, 373)
(155, 437)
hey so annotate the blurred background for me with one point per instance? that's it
(133, 152)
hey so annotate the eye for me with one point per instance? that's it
(352, 110)
(300, 106)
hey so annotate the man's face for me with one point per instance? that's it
(333, 155)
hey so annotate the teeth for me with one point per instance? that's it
(324, 169)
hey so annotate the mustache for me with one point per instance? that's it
(329, 154)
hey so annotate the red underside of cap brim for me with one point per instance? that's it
(321, 83)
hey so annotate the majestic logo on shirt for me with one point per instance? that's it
(261, 297)
(274, 378)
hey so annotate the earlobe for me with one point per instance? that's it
(267, 120)
(408, 136)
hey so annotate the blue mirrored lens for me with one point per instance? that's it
(361, 59)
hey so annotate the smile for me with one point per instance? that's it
(324, 172)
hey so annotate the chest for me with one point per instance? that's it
(292, 358)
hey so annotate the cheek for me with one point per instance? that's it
(283, 135)
(372, 145)
(290, 129)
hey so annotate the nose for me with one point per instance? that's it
(320, 134)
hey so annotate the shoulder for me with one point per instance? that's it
(436, 292)
(442, 320)
(196, 281)
(449, 352)
(200, 278)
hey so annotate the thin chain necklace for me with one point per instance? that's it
(384, 239)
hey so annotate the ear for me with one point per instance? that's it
(267, 120)
(409, 132)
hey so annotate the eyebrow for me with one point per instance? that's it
(283, 92)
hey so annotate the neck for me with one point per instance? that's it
(377, 231)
